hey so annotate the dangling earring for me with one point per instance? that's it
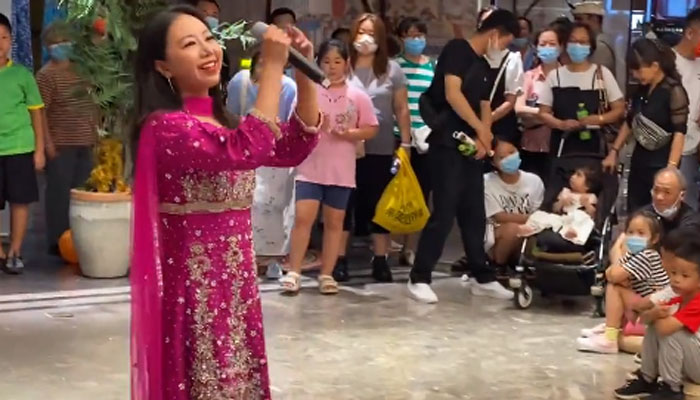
(170, 83)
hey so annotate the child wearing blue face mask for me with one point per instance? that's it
(636, 272)
(510, 197)
(419, 70)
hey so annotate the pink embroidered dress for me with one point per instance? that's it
(197, 327)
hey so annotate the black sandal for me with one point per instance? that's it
(461, 265)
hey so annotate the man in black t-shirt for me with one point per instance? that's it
(667, 201)
(459, 95)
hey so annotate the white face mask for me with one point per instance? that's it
(494, 55)
(365, 44)
(670, 212)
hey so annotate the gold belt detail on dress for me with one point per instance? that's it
(203, 207)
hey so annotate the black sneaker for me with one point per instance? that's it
(636, 389)
(340, 272)
(13, 266)
(666, 393)
(380, 270)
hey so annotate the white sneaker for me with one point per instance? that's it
(596, 330)
(422, 292)
(491, 289)
(597, 344)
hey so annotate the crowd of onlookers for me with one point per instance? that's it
(522, 100)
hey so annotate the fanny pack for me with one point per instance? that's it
(648, 134)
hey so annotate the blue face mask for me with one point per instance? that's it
(511, 164)
(578, 52)
(548, 54)
(60, 51)
(414, 46)
(519, 43)
(635, 244)
(213, 22)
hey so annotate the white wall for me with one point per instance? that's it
(6, 7)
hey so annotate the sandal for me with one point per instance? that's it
(291, 283)
(327, 285)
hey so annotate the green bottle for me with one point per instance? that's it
(581, 114)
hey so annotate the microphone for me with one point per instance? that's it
(303, 64)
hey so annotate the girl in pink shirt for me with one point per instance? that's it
(327, 176)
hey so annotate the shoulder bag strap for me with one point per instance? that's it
(602, 91)
(501, 71)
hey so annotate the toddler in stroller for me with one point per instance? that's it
(553, 264)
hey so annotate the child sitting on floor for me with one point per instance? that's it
(636, 271)
(671, 347)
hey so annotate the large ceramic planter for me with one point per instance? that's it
(101, 228)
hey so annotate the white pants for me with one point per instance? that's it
(273, 210)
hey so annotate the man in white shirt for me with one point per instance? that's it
(511, 196)
(688, 66)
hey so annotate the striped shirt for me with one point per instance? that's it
(419, 77)
(72, 116)
(646, 272)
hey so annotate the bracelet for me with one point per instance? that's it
(406, 145)
(673, 163)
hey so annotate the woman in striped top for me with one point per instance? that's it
(419, 70)
(636, 272)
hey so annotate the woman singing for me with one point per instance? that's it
(196, 329)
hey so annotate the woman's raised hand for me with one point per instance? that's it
(275, 47)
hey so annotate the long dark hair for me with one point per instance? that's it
(381, 57)
(644, 52)
(153, 91)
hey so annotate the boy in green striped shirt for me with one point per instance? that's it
(419, 70)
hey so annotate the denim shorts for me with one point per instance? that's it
(330, 195)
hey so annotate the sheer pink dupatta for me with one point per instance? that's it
(146, 276)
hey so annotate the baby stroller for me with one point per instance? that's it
(568, 274)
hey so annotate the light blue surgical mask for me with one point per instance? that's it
(578, 52)
(213, 22)
(511, 164)
(414, 46)
(60, 51)
(635, 244)
(548, 54)
(520, 43)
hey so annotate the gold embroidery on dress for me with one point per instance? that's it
(204, 375)
(222, 187)
(241, 363)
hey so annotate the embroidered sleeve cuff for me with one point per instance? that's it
(308, 129)
(272, 125)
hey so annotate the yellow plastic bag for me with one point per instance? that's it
(402, 208)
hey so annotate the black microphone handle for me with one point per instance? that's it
(308, 68)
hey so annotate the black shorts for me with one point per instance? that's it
(18, 183)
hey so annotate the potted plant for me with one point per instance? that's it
(104, 42)
(104, 45)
